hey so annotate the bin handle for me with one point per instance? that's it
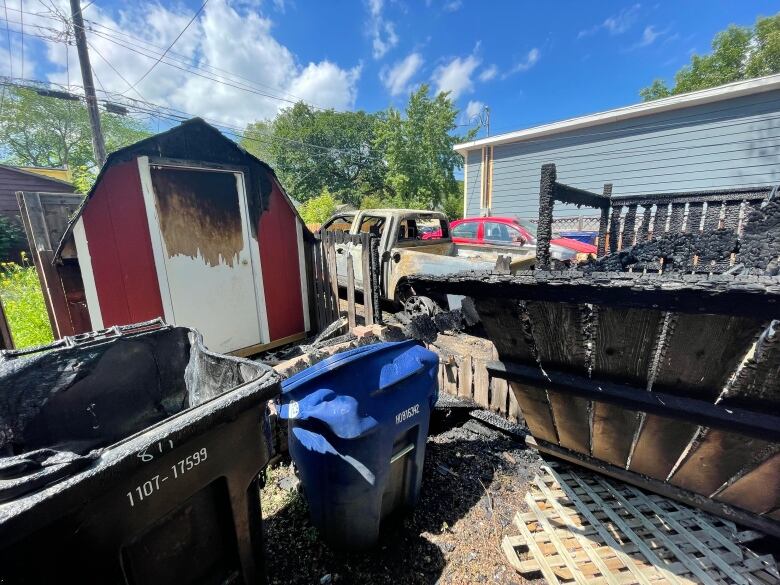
(89, 337)
(391, 375)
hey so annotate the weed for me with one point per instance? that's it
(24, 306)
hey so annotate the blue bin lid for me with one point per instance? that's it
(340, 360)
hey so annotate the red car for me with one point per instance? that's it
(505, 231)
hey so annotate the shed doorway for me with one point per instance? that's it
(208, 268)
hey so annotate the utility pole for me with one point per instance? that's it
(487, 118)
(98, 143)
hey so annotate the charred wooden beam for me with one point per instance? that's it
(751, 423)
(575, 196)
(745, 295)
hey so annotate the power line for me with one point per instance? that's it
(185, 59)
(8, 33)
(21, 18)
(194, 16)
(198, 74)
(114, 69)
(166, 59)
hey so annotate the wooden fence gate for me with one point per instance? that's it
(45, 217)
(334, 257)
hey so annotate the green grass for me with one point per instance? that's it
(24, 306)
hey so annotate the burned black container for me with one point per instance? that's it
(132, 456)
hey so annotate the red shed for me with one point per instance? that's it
(188, 226)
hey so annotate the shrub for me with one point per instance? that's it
(24, 306)
(11, 235)
(317, 209)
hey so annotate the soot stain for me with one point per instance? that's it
(199, 213)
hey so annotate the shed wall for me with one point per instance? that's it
(117, 235)
(731, 143)
(278, 241)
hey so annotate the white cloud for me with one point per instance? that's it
(649, 35)
(396, 79)
(453, 6)
(230, 41)
(473, 108)
(531, 59)
(326, 82)
(383, 36)
(455, 76)
(615, 24)
(488, 73)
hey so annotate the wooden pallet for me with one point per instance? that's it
(584, 528)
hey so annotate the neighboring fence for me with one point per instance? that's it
(463, 373)
(334, 258)
(581, 223)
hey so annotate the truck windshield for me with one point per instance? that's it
(422, 229)
(372, 224)
(340, 223)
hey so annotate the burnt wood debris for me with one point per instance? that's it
(657, 363)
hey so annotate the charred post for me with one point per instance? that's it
(604, 222)
(546, 204)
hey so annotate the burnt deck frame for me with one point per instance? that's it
(754, 301)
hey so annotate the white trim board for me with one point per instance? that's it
(676, 102)
(302, 268)
(153, 225)
(257, 267)
(87, 276)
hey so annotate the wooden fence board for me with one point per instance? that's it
(350, 293)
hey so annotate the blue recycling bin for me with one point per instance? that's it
(358, 423)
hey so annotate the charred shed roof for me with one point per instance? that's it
(197, 141)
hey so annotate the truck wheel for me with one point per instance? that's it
(415, 305)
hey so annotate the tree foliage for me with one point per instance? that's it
(387, 159)
(737, 53)
(312, 150)
(317, 209)
(43, 131)
(418, 150)
(11, 235)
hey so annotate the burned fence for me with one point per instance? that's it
(699, 228)
(350, 261)
(667, 381)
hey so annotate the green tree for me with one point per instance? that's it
(737, 53)
(452, 205)
(43, 131)
(317, 209)
(312, 150)
(417, 148)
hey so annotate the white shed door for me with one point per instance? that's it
(210, 268)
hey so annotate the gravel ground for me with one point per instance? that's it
(475, 479)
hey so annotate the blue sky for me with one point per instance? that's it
(529, 62)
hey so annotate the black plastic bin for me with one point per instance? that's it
(132, 456)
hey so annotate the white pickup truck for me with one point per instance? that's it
(413, 241)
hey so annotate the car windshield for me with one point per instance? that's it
(530, 227)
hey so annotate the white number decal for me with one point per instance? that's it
(154, 484)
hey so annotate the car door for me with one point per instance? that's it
(466, 232)
(369, 223)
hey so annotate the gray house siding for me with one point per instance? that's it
(730, 143)
(472, 179)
